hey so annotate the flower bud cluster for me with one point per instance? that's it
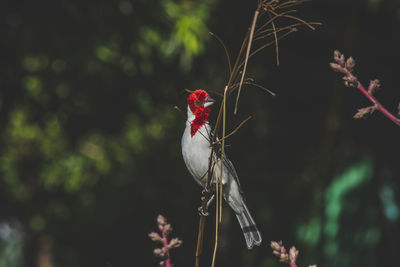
(290, 258)
(346, 67)
(374, 86)
(280, 251)
(364, 113)
(165, 229)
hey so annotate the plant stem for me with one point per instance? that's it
(199, 247)
(165, 242)
(379, 106)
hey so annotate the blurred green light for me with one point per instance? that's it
(390, 208)
(32, 84)
(107, 53)
(37, 223)
(341, 185)
(311, 231)
(335, 194)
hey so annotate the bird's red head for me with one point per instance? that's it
(199, 103)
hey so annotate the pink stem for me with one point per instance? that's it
(378, 105)
(165, 242)
(293, 264)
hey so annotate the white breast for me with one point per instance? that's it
(196, 150)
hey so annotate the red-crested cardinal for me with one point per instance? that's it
(196, 150)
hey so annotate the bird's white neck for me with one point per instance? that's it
(190, 115)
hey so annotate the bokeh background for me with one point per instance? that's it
(93, 106)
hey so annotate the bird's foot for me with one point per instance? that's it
(205, 212)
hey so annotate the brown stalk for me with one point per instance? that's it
(233, 132)
(268, 44)
(269, 32)
(292, 3)
(261, 87)
(225, 49)
(253, 25)
(276, 43)
(276, 16)
(296, 18)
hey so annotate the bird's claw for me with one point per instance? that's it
(203, 213)
(200, 209)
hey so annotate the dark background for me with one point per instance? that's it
(90, 136)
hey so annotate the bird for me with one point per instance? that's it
(196, 151)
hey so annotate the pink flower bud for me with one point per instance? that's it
(276, 253)
(342, 60)
(159, 252)
(275, 245)
(350, 63)
(293, 253)
(373, 86)
(336, 54)
(350, 81)
(155, 236)
(284, 258)
(175, 243)
(364, 113)
(339, 58)
(161, 220)
(336, 67)
(167, 229)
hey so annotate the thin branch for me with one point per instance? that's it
(233, 132)
(276, 16)
(223, 146)
(225, 49)
(269, 43)
(276, 44)
(292, 3)
(217, 193)
(261, 87)
(199, 247)
(298, 19)
(253, 25)
(291, 26)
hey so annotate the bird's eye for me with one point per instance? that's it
(198, 102)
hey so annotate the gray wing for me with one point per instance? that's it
(227, 164)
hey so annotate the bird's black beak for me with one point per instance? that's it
(209, 101)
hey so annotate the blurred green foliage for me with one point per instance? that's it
(92, 107)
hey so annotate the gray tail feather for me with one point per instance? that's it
(249, 228)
